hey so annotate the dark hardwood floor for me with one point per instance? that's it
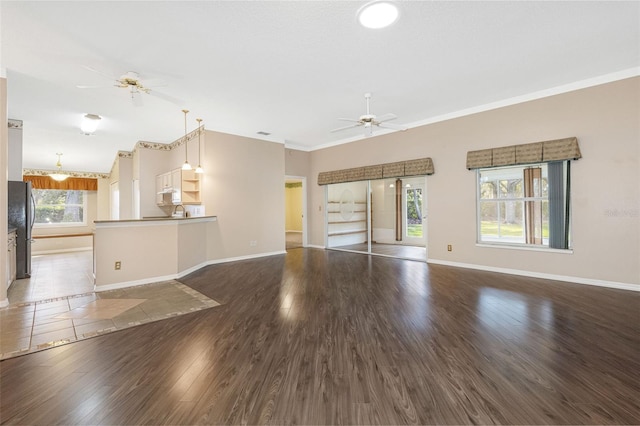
(327, 337)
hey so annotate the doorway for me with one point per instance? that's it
(295, 212)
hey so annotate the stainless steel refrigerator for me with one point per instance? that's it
(21, 214)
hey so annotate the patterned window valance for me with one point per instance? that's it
(538, 152)
(422, 166)
(45, 182)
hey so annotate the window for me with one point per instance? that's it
(525, 205)
(59, 207)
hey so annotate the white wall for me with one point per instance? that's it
(605, 190)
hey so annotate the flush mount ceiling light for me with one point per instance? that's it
(58, 175)
(90, 123)
(186, 165)
(199, 169)
(377, 14)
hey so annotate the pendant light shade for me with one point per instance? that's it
(199, 169)
(186, 165)
(58, 175)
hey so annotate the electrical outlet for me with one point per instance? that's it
(449, 247)
(253, 243)
(118, 265)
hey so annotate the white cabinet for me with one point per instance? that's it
(178, 187)
(11, 258)
(176, 183)
(163, 186)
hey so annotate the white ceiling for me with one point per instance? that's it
(289, 68)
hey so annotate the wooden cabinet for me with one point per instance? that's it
(11, 258)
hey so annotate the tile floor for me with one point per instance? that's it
(53, 276)
(33, 326)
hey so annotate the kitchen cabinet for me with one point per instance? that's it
(190, 187)
(178, 187)
(11, 257)
(176, 183)
(163, 186)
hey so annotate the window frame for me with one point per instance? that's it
(523, 200)
(52, 225)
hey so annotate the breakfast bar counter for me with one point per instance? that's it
(140, 251)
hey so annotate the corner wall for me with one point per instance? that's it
(605, 192)
(243, 185)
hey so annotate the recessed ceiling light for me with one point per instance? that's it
(377, 14)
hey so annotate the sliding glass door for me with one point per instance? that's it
(384, 217)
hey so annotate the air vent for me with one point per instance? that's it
(263, 133)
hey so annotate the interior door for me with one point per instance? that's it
(414, 212)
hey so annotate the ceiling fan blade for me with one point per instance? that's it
(386, 117)
(350, 119)
(110, 77)
(392, 126)
(351, 126)
(155, 82)
(166, 97)
(136, 97)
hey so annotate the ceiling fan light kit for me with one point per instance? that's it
(90, 124)
(58, 175)
(378, 14)
(369, 120)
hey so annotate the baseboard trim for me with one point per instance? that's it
(69, 250)
(247, 257)
(125, 284)
(291, 230)
(554, 277)
(315, 246)
(4, 303)
(151, 280)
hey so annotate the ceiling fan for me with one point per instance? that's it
(132, 81)
(369, 120)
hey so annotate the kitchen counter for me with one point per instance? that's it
(157, 218)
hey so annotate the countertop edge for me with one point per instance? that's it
(154, 221)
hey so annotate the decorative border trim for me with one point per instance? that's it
(14, 124)
(87, 175)
(554, 277)
(169, 146)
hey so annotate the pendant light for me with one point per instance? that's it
(58, 175)
(186, 165)
(199, 168)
